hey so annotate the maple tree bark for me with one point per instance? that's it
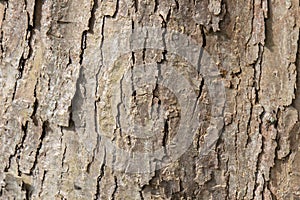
(57, 82)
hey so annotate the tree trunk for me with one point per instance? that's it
(136, 99)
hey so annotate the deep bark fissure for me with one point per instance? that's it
(260, 154)
(118, 117)
(35, 106)
(156, 4)
(18, 146)
(37, 14)
(21, 145)
(21, 67)
(97, 77)
(115, 189)
(1, 35)
(45, 129)
(95, 151)
(62, 159)
(135, 4)
(141, 195)
(166, 133)
(249, 126)
(99, 178)
(28, 190)
(42, 182)
(92, 19)
(257, 72)
(269, 43)
(251, 25)
(177, 4)
(83, 46)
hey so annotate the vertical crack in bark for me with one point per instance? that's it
(236, 135)
(21, 67)
(203, 36)
(1, 34)
(62, 160)
(269, 42)
(116, 11)
(259, 157)
(202, 80)
(90, 29)
(132, 82)
(165, 51)
(133, 59)
(141, 192)
(21, 145)
(24, 57)
(166, 133)
(144, 47)
(65, 149)
(1, 45)
(97, 77)
(177, 4)
(99, 178)
(248, 127)
(257, 72)
(119, 106)
(83, 46)
(70, 59)
(45, 128)
(17, 150)
(168, 16)
(29, 35)
(64, 156)
(251, 24)
(95, 150)
(156, 4)
(227, 178)
(42, 183)
(116, 188)
(25, 4)
(37, 14)
(71, 123)
(155, 92)
(35, 106)
(28, 190)
(164, 24)
(141, 195)
(15, 90)
(92, 19)
(136, 6)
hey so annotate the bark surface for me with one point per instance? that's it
(63, 91)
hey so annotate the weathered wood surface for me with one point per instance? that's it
(67, 104)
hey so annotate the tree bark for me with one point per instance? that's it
(109, 100)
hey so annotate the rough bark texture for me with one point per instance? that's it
(57, 79)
